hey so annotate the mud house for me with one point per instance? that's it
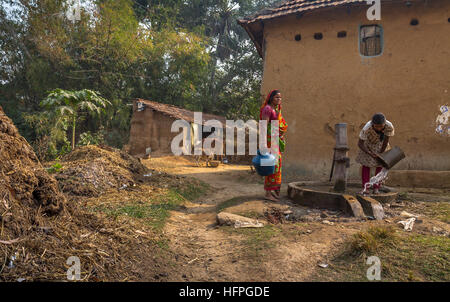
(151, 125)
(334, 65)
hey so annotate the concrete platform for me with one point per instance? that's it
(320, 195)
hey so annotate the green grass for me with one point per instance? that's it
(433, 256)
(438, 210)
(372, 240)
(257, 241)
(404, 257)
(154, 213)
(251, 214)
(192, 191)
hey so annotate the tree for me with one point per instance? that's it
(69, 104)
(192, 54)
(110, 50)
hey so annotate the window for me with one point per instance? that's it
(342, 34)
(370, 40)
(318, 36)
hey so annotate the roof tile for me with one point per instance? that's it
(179, 113)
(296, 6)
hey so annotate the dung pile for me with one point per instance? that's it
(92, 170)
(22, 177)
(40, 229)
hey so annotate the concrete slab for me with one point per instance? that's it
(325, 200)
(353, 206)
(371, 207)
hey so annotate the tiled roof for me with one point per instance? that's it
(179, 113)
(296, 6)
(254, 24)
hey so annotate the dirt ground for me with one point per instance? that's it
(162, 226)
(291, 251)
(156, 220)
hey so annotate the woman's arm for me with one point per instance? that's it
(385, 143)
(267, 119)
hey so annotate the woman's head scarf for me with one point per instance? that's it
(283, 125)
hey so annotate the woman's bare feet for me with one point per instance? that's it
(271, 197)
(277, 194)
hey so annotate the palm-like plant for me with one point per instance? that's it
(69, 104)
(223, 29)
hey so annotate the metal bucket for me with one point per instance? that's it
(390, 158)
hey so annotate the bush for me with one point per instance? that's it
(88, 138)
(54, 168)
(371, 240)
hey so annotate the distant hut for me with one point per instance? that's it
(151, 124)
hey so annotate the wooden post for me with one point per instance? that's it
(342, 162)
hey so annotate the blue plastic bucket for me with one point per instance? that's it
(264, 163)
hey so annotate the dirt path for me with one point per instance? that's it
(205, 252)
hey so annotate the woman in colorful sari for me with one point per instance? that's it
(271, 110)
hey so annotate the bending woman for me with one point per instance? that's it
(373, 140)
(271, 110)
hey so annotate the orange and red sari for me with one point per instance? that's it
(273, 182)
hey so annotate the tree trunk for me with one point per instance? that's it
(212, 88)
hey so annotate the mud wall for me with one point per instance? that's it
(326, 81)
(150, 129)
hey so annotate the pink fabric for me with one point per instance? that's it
(366, 175)
(268, 111)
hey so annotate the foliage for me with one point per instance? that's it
(51, 132)
(69, 106)
(55, 168)
(191, 54)
(88, 138)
